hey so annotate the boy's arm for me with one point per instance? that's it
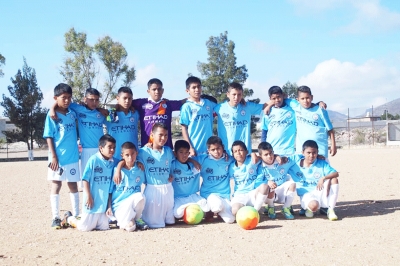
(103, 111)
(52, 111)
(195, 163)
(86, 189)
(54, 160)
(320, 184)
(267, 107)
(185, 136)
(109, 210)
(117, 173)
(333, 142)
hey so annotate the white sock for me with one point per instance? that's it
(260, 199)
(270, 202)
(139, 209)
(75, 203)
(289, 199)
(333, 196)
(55, 203)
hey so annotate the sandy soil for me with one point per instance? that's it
(368, 232)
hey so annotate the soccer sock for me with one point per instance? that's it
(72, 221)
(55, 203)
(289, 199)
(139, 209)
(333, 196)
(75, 203)
(270, 202)
(260, 199)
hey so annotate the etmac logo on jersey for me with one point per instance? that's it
(177, 171)
(209, 171)
(150, 160)
(98, 169)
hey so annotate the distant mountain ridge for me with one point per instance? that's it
(393, 108)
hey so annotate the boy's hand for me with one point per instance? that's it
(117, 177)
(170, 179)
(333, 150)
(322, 105)
(254, 158)
(53, 114)
(226, 155)
(281, 159)
(109, 212)
(195, 163)
(53, 165)
(321, 157)
(103, 111)
(267, 109)
(271, 184)
(89, 202)
(132, 109)
(192, 152)
(320, 185)
(140, 165)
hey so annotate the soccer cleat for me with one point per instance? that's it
(286, 212)
(56, 223)
(323, 211)
(64, 221)
(302, 212)
(309, 214)
(332, 215)
(270, 211)
(141, 225)
(291, 210)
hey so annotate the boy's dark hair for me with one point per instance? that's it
(274, 90)
(236, 86)
(92, 91)
(62, 88)
(192, 79)
(154, 81)
(213, 140)
(239, 143)
(304, 89)
(158, 125)
(310, 144)
(181, 144)
(264, 146)
(125, 90)
(128, 146)
(106, 138)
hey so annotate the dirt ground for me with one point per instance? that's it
(368, 232)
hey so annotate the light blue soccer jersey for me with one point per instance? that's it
(275, 172)
(123, 130)
(63, 133)
(307, 178)
(215, 176)
(199, 120)
(157, 164)
(186, 179)
(312, 124)
(98, 172)
(244, 176)
(234, 123)
(281, 127)
(90, 124)
(131, 181)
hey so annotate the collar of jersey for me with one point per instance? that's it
(111, 160)
(151, 100)
(201, 101)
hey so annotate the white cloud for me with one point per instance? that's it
(263, 47)
(345, 85)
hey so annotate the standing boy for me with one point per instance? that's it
(312, 176)
(234, 117)
(124, 127)
(97, 189)
(196, 118)
(63, 152)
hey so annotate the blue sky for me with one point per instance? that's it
(346, 51)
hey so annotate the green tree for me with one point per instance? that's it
(2, 62)
(79, 69)
(114, 56)
(290, 89)
(221, 68)
(390, 116)
(23, 107)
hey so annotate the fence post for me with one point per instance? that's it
(348, 124)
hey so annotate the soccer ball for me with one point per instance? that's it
(247, 217)
(193, 214)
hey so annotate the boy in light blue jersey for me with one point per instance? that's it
(127, 199)
(216, 183)
(312, 122)
(314, 179)
(159, 193)
(97, 189)
(124, 126)
(280, 186)
(63, 159)
(279, 126)
(186, 181)
(244, 174)
(196, 118)
(90, 124)
(234, 117)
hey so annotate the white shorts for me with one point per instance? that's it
(85, 155)
(126, 211)
(181, 203)
(70, 173)
(281, 192)
(246, 199)
(221, 206)
(159, 207)
(318, 195)
(93, 221)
